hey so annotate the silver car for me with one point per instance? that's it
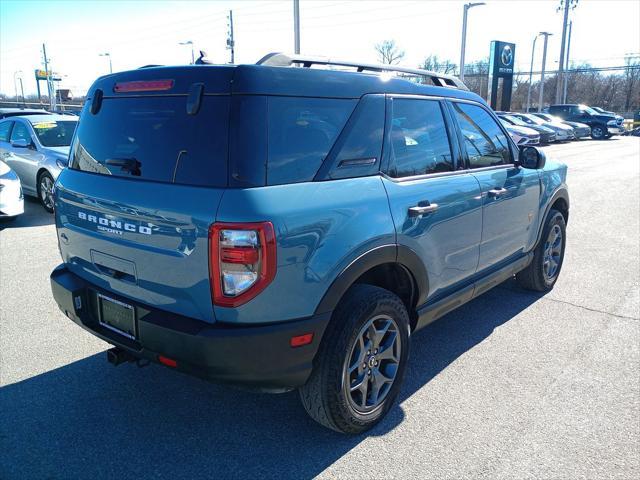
(36, 147)
(11, 199)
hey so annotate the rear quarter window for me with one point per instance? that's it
(301, 131)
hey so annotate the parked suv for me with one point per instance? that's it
(289, 228)
(602, 125)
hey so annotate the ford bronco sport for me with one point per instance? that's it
(288, 228)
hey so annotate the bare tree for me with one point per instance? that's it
(389, 52)
(434, 64)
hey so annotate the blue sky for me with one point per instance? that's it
(148, 32)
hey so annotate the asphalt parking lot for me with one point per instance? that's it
(512, 385)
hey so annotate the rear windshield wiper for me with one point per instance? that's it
(130, 165)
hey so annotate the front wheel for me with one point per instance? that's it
(543, 271)
(361, 362)
(598, 132)
(45, 191)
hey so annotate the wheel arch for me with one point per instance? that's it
(396, 268)
(559, 201)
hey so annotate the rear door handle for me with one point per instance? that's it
(496, 192)
(422, 209)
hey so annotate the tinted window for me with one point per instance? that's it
(5, 127)
(419, 140)
(484, 141)
(153, 138)
(301, 133)
(55, 134)
(20, 131)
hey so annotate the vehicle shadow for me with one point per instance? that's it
(34, 216)
(90, 420)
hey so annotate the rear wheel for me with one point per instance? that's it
(543, 271)
(361, 363)
(45, 191)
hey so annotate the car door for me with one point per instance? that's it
(435, 203)
(23, 160)
(510, 194)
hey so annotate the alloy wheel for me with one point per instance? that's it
(552, 253)
(372, 364)
(46, 191)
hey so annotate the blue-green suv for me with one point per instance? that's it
(282, 226)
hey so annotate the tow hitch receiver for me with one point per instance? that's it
(116, 356)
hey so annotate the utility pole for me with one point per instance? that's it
(230, 41)
(296, 26)
(465, 9)
(566, 4)
(544, 61)
(533, 52)
(50, 87)
(566, 78)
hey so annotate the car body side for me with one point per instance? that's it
(30, 162)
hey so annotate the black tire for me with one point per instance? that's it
(598, 132)
(45, 201)
(534, 276)
(325, 396)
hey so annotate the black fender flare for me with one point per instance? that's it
(399, 254)
(562, 193)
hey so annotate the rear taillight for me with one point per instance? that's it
(242, 261)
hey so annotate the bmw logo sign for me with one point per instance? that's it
(506, 56)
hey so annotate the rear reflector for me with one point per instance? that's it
(143, 86)
(169, 362)
(301, 340)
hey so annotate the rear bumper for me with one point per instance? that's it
(256, 356)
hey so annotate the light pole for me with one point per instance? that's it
(17, 75)
(566, 67)
(533, 52)
(544, 60)
(107, 54)
(296, 27)
(465, 9)
(189, 42)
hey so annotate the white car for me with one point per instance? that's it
(11, 198)
(521, 135)
(36, 147)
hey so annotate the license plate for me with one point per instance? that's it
(117, 316)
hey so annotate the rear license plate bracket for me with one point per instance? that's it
(117, 316)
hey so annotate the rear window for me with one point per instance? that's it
(56, 133)
(153, 138)
(301, 133)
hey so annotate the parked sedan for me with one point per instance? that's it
(36, 147)
(521, 135)
(580, 130)
(563, 132)
(11, 198)
(546, 134)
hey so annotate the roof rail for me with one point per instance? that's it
(285, 60)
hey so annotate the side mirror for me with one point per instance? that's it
(20, 143)
(531, 157)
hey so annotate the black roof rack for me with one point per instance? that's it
(284, 60)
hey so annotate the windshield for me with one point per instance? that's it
(515, 120)
(589, 110)
(533, 119)
(55, 133)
